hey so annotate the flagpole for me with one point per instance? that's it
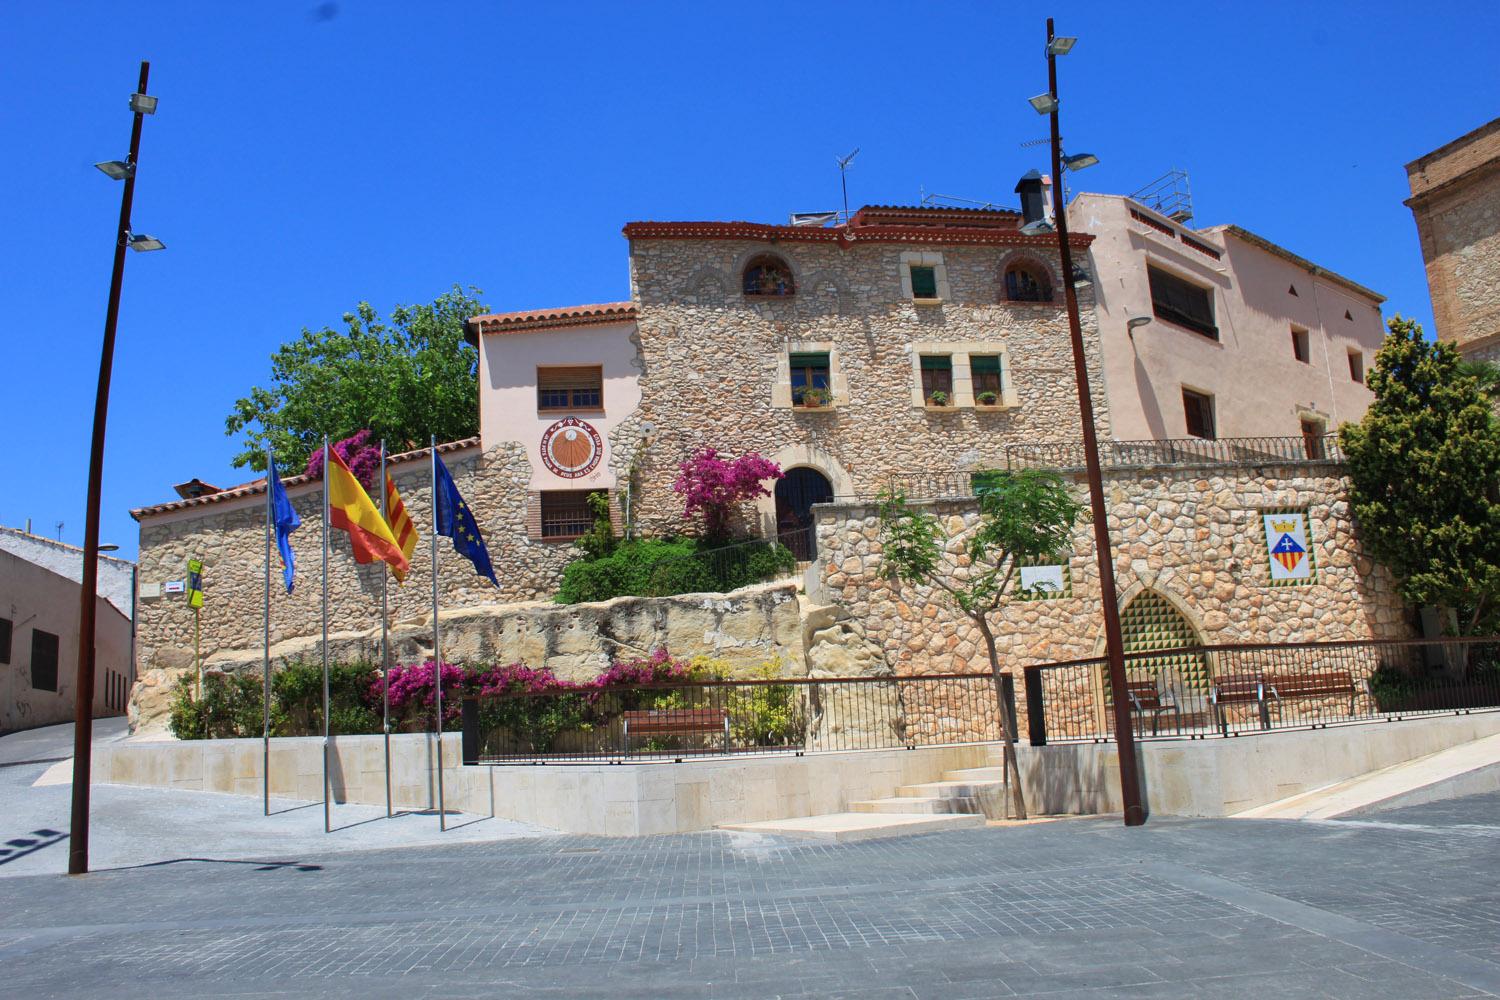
(437, 649)
(327, 807)
(265, 668)
(385, 646)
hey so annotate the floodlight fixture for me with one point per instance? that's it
(1044, 104)
(116, 170)
(1061, 45)
(143, 104)
(1037, 227)
(1136, 322)
(142, 242)
(109, 547)
(1079, 160)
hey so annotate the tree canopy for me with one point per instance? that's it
(1424, 471)
(404, 378)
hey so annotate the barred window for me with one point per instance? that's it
(565, 513)
(768, 275)
(570, 388)
(1025, 284)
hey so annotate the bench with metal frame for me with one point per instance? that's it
(1320, 684)
(675, 722)
(1238, 689)
(1155, 696)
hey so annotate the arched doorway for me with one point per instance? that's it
(796, 492)
(1151, 622)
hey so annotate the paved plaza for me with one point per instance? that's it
(1401, 904)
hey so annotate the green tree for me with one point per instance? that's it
(1023, 517)
(1424, 471)
(1486, 374)
(404, 379)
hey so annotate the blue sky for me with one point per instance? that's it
(302, 162)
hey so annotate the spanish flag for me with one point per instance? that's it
(401, 526)
(349, 508)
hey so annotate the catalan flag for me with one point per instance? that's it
(400, 524)
(350, 508)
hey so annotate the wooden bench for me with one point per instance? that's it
(1238, 689)
(676, 722)
(1319, 684)
(1152, 696)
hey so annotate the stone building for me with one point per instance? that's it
(39, 595)
(1455, 199)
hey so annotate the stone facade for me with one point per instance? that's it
(1194, 536)
(1455, 199)
(715, 363)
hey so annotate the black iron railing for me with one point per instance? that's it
(1235, 690)
(672, 722)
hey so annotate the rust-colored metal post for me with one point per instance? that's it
(83, 706)
(1130, 786)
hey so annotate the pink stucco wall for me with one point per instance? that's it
(508, 397)
(1259, 387)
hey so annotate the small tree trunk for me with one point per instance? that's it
(1018, 798)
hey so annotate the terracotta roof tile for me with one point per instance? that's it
(258, 486)
(543, 319)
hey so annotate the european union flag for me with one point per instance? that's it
(285, 518)
(456, 521)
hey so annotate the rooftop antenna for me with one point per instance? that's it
(59, 530)
(843, 162)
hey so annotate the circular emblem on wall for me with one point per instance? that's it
(571, 448)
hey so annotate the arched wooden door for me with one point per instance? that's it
(796, 492)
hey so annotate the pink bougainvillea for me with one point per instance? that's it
(713, 487)
(658, 668)
(358, 452)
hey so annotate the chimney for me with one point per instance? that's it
(1033, 197)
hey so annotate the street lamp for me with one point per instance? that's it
(1135, 323)
(1130, 786)
(143, 242)
(141, 104)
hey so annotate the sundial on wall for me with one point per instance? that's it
(571, 448)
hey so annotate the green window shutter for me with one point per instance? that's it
(937, 363)
(985, 364)
(924, 283)
(810, 360)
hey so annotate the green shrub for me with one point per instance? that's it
(232, 706)
(297, 697)
(653, 567)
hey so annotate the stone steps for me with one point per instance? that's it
(850, 826)
(934, 805)
(995, 773)
(951, 789)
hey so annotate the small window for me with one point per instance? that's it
(43, 660)
(1026, 284)
(1312, 438)
(937, 379)
(1182, 302)
(923, 282)
(1198, 408)
(1300, 349)
(810, 382)
(1357, 366)
(570, 388)
(565, 513)
(984, 370)
(768, 275)
(4, 640)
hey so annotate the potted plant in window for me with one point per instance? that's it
(988, 398)
(937, 398)
(816, 398)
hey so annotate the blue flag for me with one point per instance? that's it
(455, 520)
(285, 518)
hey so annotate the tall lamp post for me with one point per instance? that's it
(83, 710)
(1130, 786)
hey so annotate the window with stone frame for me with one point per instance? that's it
(811, 382)
(923, 282)
(570, 388)
(1025, 282)
(1179, 301)
(768, 274)
(1198, 410)
(986, 376)
(565, 514)
(937, 378)
(43, 660)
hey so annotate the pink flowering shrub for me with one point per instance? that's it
(713, 487)
(414, 694)
(658, 668)
(358, 452)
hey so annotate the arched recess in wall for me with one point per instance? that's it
(825, 294)
(706, 287)
(1026, 277)
(803, 456)
(1153, 619)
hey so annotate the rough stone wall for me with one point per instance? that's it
(1194, 536)
(230, 540)
(711, 363)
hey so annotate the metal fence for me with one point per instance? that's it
(1297, 450)
(1236, 690)
(673, 721)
